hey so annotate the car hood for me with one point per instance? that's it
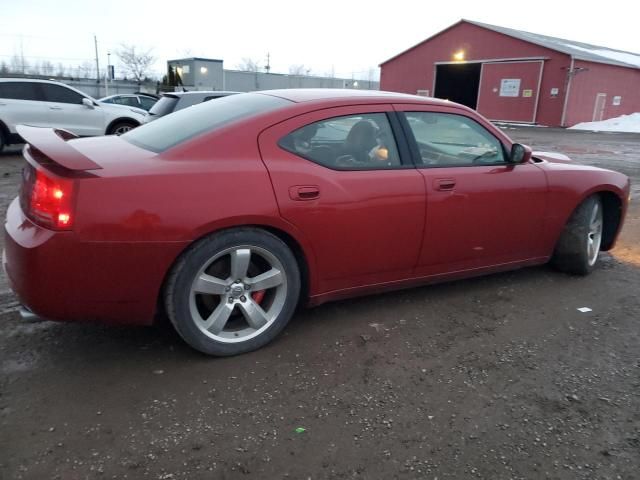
(136, 113)
(553, 157)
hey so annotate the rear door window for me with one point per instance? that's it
(353, 142)
(128, 101)
(20, 90)
(60, 94)
(147, 102)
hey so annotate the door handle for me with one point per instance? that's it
(445, 184)
(304, 192)
(55, 108)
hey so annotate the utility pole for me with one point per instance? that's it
(107, 77)
(95, 40)
(22, 54)
(268, 67)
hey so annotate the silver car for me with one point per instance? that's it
(139, 100)
(174, 101)
(45, 103)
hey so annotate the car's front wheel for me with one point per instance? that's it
(121, 127)
(233, 292)
(579, 244)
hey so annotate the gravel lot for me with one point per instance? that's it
(497, 378)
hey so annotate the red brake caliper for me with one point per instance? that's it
(258, 296)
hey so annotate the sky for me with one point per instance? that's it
(341, 38)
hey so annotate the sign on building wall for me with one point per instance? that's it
(510, 87)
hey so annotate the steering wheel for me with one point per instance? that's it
(428, 153)
(484, 156)
(346, 161)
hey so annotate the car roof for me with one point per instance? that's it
(299, 95)
(198, 92)
(123, 95)
(32, 80)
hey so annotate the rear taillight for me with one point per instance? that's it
(46, 199)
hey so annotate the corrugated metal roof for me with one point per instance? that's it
(578, 50)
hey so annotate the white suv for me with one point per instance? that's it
(43, 103)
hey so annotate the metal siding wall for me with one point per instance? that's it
(212, 79)
(250, 81)
(601, 78)
(414, 70)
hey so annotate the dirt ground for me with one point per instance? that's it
(497, 378)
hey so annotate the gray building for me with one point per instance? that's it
(208, 74)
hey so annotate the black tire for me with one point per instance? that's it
(572, 253)
(3, 142)
(121, 127)
(179, 295)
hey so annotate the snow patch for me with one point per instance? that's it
(624, 123)
(553, 155)
(623, 57)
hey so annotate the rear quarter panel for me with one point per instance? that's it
(142, 210)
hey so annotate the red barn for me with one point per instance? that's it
(516, 76)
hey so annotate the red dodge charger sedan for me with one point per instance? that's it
(227, 215)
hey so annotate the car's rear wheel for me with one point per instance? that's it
(121, 127)
(233, 292)
(579, 245)
(3, 142)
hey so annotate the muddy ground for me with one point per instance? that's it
(497, 378)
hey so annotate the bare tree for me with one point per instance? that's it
(35, 69)
(61, 70)
(85, 69)
(18, 64)
(4, 68)
(299, 70)
(137, 63)
(47, 68)
(248, 65)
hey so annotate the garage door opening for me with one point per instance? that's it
(458, 82)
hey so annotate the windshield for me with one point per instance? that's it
(173, 129)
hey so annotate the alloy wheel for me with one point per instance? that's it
(238, 294)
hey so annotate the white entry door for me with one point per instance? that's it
(598, 109)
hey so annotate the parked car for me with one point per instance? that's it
(174, 101)
(139, 100)
(45, 103)
(228, 215)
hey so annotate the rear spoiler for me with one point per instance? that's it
(52, 142)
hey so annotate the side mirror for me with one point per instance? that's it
(520, 153)
(88, 103)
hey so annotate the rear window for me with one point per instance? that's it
(164, 106)
(19, 90)
(173, 129)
